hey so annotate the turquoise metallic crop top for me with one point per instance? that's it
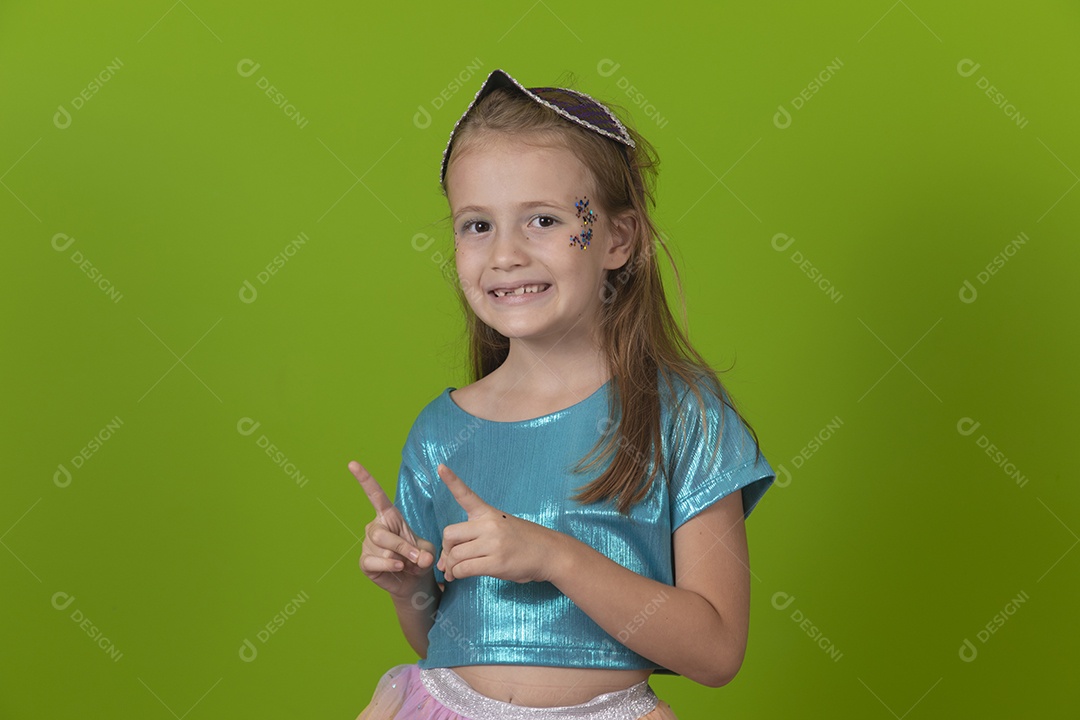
(524, 468)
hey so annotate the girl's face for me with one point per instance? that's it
(514, 211)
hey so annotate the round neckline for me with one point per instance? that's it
(596, 393)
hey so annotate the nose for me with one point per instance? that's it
(508, 247)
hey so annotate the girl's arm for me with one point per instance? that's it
(699, 627)
(416, 613)
(400, 563)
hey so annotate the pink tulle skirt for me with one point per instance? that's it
(406, 692)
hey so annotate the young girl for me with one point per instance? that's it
(573, 520)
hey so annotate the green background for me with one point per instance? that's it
(895, 536)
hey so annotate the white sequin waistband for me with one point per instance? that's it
(451, 690)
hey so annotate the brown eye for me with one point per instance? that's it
(476, 226)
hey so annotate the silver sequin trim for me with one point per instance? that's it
(623, 136)
(451, 690)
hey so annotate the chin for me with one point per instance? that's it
(521, 331)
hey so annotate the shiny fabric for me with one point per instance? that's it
(406, 692)
(524, 468)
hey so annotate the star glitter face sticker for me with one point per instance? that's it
(588, 217)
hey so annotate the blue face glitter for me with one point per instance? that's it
(588, 217)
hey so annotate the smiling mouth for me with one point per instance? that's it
(521, 290)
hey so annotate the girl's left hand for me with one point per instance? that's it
(492, 542)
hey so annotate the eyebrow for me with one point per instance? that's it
(524, 206)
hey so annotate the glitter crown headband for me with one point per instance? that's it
(575, 106)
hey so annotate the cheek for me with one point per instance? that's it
(468, 270)
(464, 253)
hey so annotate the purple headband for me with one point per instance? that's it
(575, 106)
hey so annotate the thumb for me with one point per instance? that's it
(469, 501)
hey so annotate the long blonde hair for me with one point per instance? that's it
(639, 335)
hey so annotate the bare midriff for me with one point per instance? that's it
(535, 686)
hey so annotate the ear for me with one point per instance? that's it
(623, 230)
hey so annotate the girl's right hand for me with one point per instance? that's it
(392, 557)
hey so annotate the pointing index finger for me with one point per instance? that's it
(371, 487)
(469, 501)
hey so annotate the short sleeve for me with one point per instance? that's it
(415, 500)
(698, 479)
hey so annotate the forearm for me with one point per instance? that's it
(416, 613)
(676, 628)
